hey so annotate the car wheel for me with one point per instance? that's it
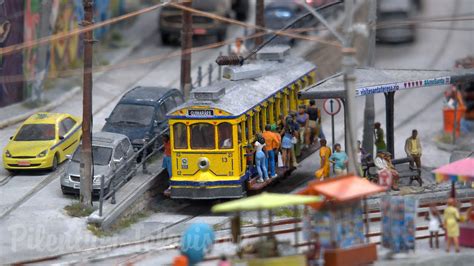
(12, 172)
(54, 166)
(165, 38)
(221, 35)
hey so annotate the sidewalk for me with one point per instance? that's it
(65, 88)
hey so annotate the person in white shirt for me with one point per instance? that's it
(260, 162)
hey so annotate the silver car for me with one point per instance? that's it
(109, 152)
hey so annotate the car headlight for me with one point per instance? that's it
(8, 154)
(42, 154)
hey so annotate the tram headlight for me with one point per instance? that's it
(203, 163)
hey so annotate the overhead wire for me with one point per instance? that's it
(60, 36)
(288, 33)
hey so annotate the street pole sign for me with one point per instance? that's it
(332, 106)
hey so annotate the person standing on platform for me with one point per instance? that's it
(451, 225)
(413, 148)
(340, 160)
(379, 138)
(324, 154)
(271, 144)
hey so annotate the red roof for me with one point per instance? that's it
(343, 188)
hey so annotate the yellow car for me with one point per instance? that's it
(42, 142)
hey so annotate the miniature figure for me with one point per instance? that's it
(379, 138)
(413, 148)
(451, 224)
(260, 160)
(325, 167)
(340, 160)
(434, 219)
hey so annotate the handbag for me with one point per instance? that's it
(280, 160)
(294, 140)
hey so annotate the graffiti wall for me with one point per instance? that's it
(11, 33)
(44, 18)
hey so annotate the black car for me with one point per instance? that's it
(141, 113)
(280, 13)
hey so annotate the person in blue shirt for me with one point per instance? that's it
(340, 160)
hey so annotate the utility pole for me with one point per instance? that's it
(369, 110)
(86, 152)
(186, 46)
(259, 21)
(348, 65)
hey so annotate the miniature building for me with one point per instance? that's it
(339, 219)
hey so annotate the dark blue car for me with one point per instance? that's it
(141, 113)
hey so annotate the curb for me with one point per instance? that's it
(112, 212)
(44, 108)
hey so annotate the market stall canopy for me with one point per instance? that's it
(264, 201)
(371, 81)
(462, 170)
(343, 188)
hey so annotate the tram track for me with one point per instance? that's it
(6, 179)
(38, 187)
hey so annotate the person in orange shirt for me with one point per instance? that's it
(271, 142)
(325, 168)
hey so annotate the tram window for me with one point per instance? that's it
(225, 136)
(242, 132)
(256, 123)
(180, 136)
(203, 136)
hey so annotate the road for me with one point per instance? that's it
(27, 211)
(24, 230)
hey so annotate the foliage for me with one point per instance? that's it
(77, 209)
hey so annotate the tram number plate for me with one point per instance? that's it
(200, 113)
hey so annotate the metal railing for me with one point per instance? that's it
(118, 178)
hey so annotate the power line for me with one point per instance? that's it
(56, 37)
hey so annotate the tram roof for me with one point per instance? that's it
(243, 95)
(370, 81)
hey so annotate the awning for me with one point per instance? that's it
(371, 81)
(264, 201)
(462, 170)
(343, 188)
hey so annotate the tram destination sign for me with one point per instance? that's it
(390, 87)
(200, 113)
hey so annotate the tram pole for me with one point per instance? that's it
(186, 46)
(348, 66)
(86, 151)
(259, 20)
(369, 109)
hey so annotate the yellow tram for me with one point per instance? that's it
(211, 132)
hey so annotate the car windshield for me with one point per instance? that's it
(132, 114)
(32, 132)
(278, 13)
(101, 155)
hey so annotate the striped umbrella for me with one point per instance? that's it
(458, 171)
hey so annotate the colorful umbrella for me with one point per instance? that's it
(458, 171)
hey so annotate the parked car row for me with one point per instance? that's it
(45, 140)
